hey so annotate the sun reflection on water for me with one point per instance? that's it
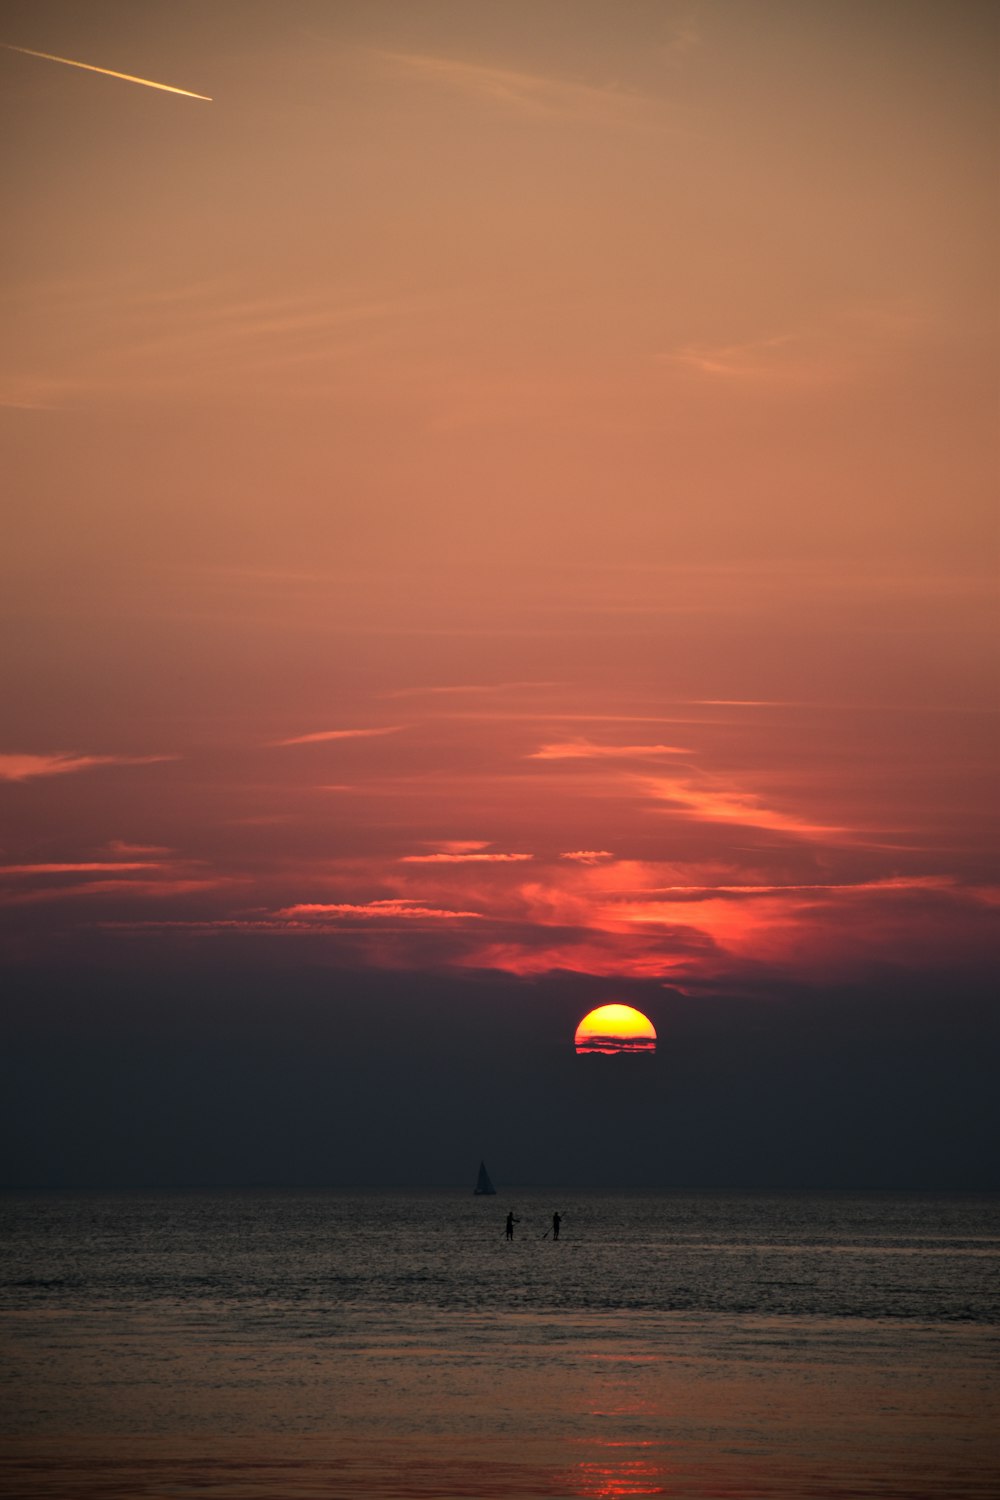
(629, 1471)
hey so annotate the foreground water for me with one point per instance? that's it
(333, 1345)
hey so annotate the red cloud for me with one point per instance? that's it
(337, 734)
(122, 846)
(385, 908)
(63, 763)
(457, 846)
(81, 868)
(126, 886)
(718, 805)
(462, 859)
(587, 750)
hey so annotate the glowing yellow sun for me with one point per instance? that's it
(615, 1028)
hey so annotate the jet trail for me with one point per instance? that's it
(108, 72)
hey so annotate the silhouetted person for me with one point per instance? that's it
(511, 1221)
(556, 1221)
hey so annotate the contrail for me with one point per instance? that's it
(108, 72)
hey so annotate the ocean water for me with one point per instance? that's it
(249, 1344)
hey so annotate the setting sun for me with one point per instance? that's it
(615, 1028)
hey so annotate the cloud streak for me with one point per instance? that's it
(140, 340)
(69, 62)
(123, 886)
(463, 858)
(320, 736)
(462, 688)
(528, 94)
(88, 867)
(64, 763)
(411, 910)
(757, 359)
(743, 809)
(588, 750)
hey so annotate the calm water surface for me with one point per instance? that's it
(325, 1344)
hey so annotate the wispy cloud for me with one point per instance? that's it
(548, 717)
(161, 876)
(457, 846)
(64, 763)
(409, 909)
(320, 735)
(466, 857)
(578, 953)
(682, 35)
(264, 329)
(121, 885)
(30, 393)
(588, 856)
(140, 340)
(81, 867)
(462, 689)
(122, 846)
(767, 357)
(846, 337)
(717, 804)
(847, 887)
(532, 95)
(588, 750)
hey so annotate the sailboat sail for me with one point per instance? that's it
(483, 1183)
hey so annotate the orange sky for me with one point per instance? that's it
(503, 486)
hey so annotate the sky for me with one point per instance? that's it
(501, 520)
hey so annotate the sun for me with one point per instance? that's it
(615, 1028)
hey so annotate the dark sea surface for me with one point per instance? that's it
(324, 1344)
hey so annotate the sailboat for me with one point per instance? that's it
(483, 1183)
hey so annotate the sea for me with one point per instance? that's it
(330, 1345)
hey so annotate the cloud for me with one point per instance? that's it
(849, 887)
(270, 820)
(30, 883)
(26, 393)
(530, 94)
(166, 88)
(713, 935)
(459, 689)
(63, 763)
(137, 340)
(397, 907)
(444, 858)
(587, 912)
(457, 846)
(755, 359)
(743, 809)
(80, 868)
(682, 36)
(848, 337)
(321, 735)
(124, 885)
(587, 750)
(632, 955)
(121, 846)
